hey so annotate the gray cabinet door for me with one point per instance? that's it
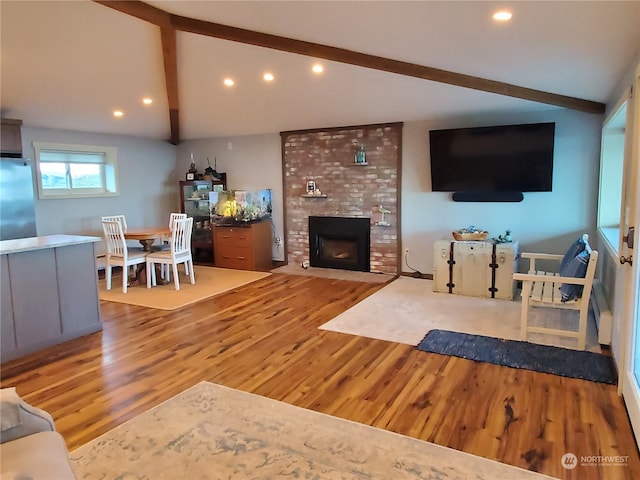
(7, 330)
(78, 288)
(34, 293)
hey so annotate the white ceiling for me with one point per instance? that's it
(69, 64)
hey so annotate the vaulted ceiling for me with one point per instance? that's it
(70, 64)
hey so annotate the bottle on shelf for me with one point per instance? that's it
(361, 155)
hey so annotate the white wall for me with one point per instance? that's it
(149, 171)
(543, 221)
(254, 162)
(147, 195)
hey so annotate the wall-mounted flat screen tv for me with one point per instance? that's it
(505, 158)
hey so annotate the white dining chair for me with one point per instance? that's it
(121, 219)
(179, 252)
(175, 216)
(167, 239)
(118, 255)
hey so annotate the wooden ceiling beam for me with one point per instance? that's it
(169, 23)
(140, 10)
(342, 55)
(170, 59)
(162, 19)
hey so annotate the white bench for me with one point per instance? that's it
(542, 289)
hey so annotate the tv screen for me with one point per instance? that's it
(505, 158)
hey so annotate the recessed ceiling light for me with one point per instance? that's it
(229, 82)
(268, 77)
(118, 113)
(502, 16)
(147, 101)
(317, 68)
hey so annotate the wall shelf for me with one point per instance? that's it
(356, 164)
(313, 196)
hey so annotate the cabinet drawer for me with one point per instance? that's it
(238, 237)
(235, 257)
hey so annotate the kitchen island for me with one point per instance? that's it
(49, 288)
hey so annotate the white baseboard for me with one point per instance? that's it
(602, 313)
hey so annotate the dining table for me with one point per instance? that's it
(147, 235)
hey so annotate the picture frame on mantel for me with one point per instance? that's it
(191, 176)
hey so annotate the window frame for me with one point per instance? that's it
(108, 171)
(613, 175)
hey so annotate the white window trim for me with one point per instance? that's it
(111, 170)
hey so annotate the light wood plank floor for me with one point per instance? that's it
(263, 338)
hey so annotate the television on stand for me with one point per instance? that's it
(492, 164)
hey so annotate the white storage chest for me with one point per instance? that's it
(477, 269)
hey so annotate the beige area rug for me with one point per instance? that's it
(406, 309)
(214, 432)
(291, 269)
(210, 281)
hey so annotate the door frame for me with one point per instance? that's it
(629, 386)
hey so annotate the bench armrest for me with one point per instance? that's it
(532, 277)
(542, 256)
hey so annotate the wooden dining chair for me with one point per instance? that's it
(118, 255)
(179, 252)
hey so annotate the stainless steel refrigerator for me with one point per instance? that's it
(17, 210)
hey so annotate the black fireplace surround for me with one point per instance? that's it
(340, 242)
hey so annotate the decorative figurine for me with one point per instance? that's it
(506, 238)
(382, 211)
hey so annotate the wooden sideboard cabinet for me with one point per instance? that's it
(244, 246)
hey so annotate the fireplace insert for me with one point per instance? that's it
(340, 242)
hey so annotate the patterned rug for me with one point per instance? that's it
(519, 354)
(214, 432)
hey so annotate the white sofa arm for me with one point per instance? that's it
(20, 419)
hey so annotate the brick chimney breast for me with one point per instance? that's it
(348, 189)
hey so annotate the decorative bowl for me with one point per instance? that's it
(478, 236)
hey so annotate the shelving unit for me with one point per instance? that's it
(194, 201)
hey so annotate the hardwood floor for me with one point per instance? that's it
(263, 338)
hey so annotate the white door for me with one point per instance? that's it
(630, 272)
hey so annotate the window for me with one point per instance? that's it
(70, 171)
(611, 192)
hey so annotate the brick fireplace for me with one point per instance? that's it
(348, 189)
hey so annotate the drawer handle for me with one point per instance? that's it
(241, 237)
(225, 236)
(226, 257)
(241, 258)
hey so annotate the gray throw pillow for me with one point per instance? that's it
(577, 268)
(576, 247)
